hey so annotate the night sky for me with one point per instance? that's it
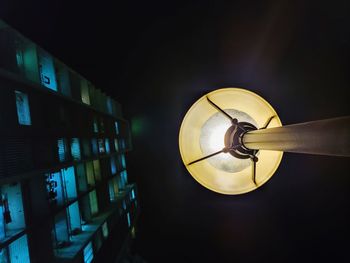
(157, 58)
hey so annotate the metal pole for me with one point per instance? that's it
(325, 137)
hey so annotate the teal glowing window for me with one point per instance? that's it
(62, 152)
(101, 146)
(18, 251)
(113, 165)
(116, 125)
(11, 205)
(73, 215)
(94, 146)
(105, 230)
(93, 202)
(122, 161)
(107, 145)
(69, 182)
(75, 149)
(132, 194)
(88, 253)
(124, 205)
(47, 71)
(54, 188)
(60, 230)
(124, 178)
(23, 112)
(129, 220)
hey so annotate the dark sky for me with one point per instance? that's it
(157, 58)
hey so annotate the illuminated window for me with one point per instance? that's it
(93, 202)
(11, 208)
(129, 220)
(22, 105)
(84, 88)
(68, 177)
(113, 165)
(62, 152)
(113, 189)
(18, 250)
(107, 145)
(132, 194)
(75, 149)
(94, 146)
(74, 218)
(95, 125)
(97, 170)
(105, 230)
(90, 173)
(47, 70)
(88, 253)
(116, 125)
(122, 161)
(101, 146)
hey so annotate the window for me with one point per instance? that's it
(122, 144)
(97, 170)
(94, 146)
(95, 125)
(75, 149)
(116, 125)
(113, 165)
(86, 148)
(11, 206)
(54, 188)
(47, 70)
(60, 231)
(88, 253)
(84, 88)
(105, 230)
(90, 173)
(116, 145)
(132, 194)
(69, 182)
(93, 202)
(122, 161)
(107, 145)
(113, 189)
(129, 220)
(109, 104)
(62, 152)
(18, 250)
(22, 105)
(101, 146)
(73, 215)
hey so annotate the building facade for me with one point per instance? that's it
(64, 192)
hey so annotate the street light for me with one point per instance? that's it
(231, 140)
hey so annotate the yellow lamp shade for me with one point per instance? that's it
(202, 133)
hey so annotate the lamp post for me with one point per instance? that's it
(231, 140)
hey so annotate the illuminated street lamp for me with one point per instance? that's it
(232, 140)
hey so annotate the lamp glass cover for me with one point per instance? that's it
(202, 133)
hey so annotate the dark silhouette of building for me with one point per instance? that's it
(64, 192)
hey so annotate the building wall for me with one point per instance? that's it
(62, 147)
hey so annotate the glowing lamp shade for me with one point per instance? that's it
(202, 133)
